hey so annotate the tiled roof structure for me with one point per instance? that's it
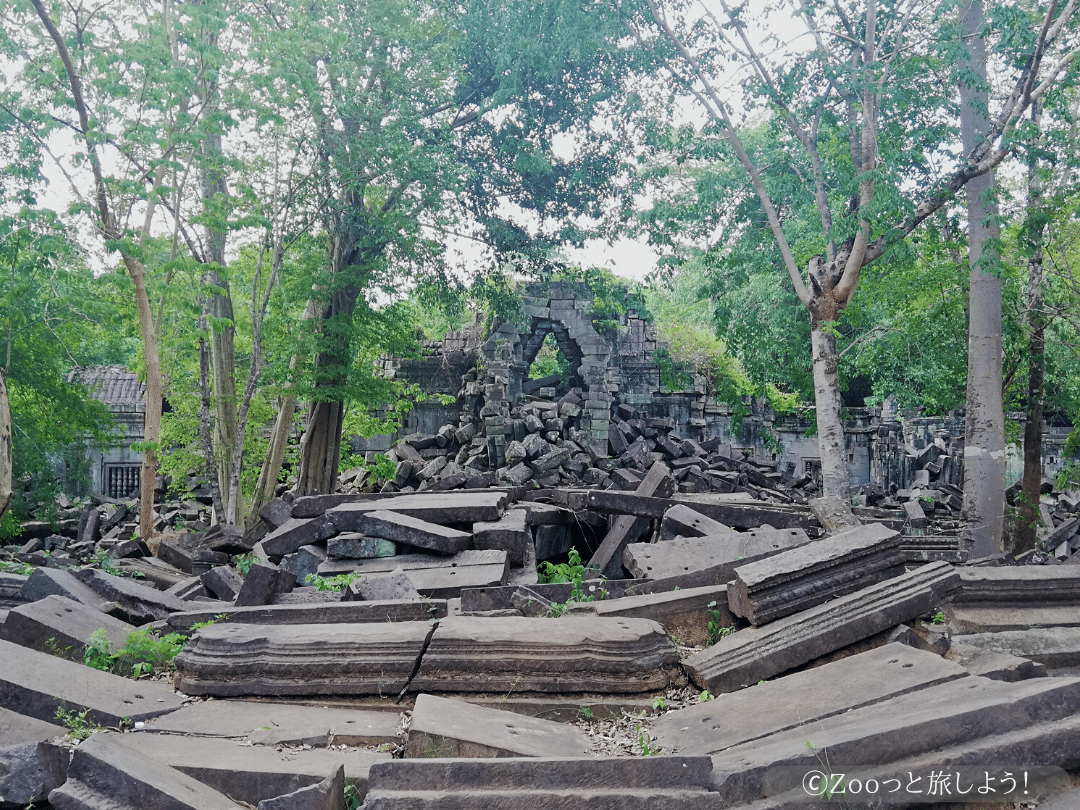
(112, 385)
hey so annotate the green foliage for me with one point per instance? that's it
(572, 571)
(335, 583)
(644, 743)
(54, 317)
(714, 629)
(221, 617)
(938, 618)
(10, 527)
(143, 654)
(79, 726)
(705, 696)
(15, 567)
(245, 561)
(550, 360)
(382, 469)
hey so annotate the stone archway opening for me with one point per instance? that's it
(551, 359)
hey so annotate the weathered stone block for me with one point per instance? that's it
(296, 532)
(61, 626)
(227, 660)
(443, 727)
(384, 587)
(510, 534)
(133, 602)
(413, 531)
(106, 773)
(37, 684)
(813, 573)
(580, 654)
(31, 764)
(751, 655)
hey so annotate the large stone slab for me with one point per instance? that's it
(1018, 584)
(571, 654)
(435, 577)
(751, 655)
(267, 723)
(1053, 646)
(739, 511)
(608, 558)
(909, 726)
(329, 794)
(442, 727)
(412, 531)
(498, 597)
(683, 521)
(61, 626)
(133, 602)
(37, 684)
(996, 617)
(54, 581)
(227, 660)
(296, 532)
(685, 614)
(672, 783)
(813, 573)
(110, 773)
(252, 774)
(11, 586)
(802, 699)
(434, 507)
(510, 533)
(31, 761)
(313, 613)
(719, 554)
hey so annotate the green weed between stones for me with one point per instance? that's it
(142, 655)
(714, 629)
(78, 726)
(573, 572)
(337, 583)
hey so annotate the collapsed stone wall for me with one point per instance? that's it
(477, 379)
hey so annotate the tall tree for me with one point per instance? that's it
(868, 67)
(984, 425)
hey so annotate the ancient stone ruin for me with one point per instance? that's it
(575, 596)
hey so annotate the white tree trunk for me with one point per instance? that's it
(984, 443)
(831, 445)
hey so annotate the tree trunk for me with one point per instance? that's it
(1032, 483)
(5, 445)
(154, 395)
(320, 448)
(984, 440)
(830, 427)
(222, 328)
(275, 456)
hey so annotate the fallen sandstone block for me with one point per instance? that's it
(313, 613)
(685, 614)
(750, 655)
(266, 723)
(802, 699)
(1051, 646)
(673, 783)
(107, 773)
(31, 761)
(579, 654)
(227, 660)
(412, 531)
(435, 577)
(813, 573)
(442, 727)
(134, 603)
(252, 774)
(918, 724)
(720, 553)
(60, 626)
(37, 684)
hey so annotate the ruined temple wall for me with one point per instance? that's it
(485, 375)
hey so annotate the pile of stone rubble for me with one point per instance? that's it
(400, 649)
